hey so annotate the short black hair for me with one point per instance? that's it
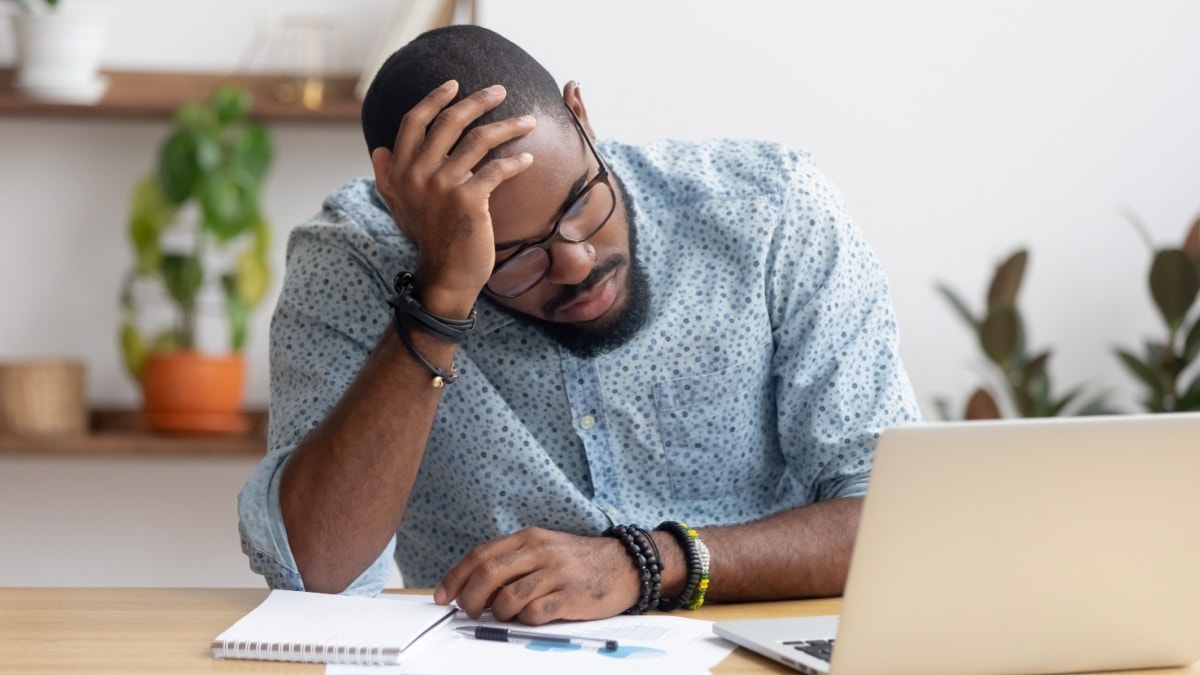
(473, 55)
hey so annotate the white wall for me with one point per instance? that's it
(957, 131)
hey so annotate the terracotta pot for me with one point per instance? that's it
(189, 392)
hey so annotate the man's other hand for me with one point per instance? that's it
(535, 576)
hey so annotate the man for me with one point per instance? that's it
(678, 333)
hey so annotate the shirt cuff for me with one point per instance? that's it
(265, 543)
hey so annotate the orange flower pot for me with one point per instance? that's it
(190, 392)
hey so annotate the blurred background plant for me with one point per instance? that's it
(214, 161)
(1174, 285)
(1023, 385)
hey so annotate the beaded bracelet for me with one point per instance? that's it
(686, 538)
(705, 560)
(644, 553)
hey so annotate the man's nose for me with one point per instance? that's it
(570, 262)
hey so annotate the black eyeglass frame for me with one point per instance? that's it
(602, 177)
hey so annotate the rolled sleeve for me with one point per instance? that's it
(319, 341)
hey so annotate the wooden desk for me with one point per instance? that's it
(169, 630)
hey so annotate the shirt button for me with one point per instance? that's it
(587, 422)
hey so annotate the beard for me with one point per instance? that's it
(587, 340)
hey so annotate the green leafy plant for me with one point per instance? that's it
(30, 6)
(1001, 334)
(214, 160)
(1174, 286)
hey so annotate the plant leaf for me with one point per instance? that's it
(1095, 406)
(942, 406)
(1142, 371)
(229, 199)
(1056, 408)
(237, 312)
(1007, 280)
(251, 277)
(1190, 400)
(959, 306)
(251, 151)
(999, 334)
(150, 214)
(186, 157)
(1038, 388)
(981, 406)
(1191, 344)
(1191, 242)
(1139, 226)
(133, 351)
(183, 276)
(1174, 284)
(1035, 367)
(196, 116)
(230, 103)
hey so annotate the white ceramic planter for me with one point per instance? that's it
(58, 55)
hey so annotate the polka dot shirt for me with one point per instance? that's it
(761, 381)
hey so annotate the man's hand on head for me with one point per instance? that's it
(535, 576)
(438, 192)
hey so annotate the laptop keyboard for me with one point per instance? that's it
(822, 649)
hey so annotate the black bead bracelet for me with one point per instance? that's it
(644, 554)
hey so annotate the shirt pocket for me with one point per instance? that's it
(715, 430)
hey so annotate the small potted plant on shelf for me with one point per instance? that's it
(59, 49)
(198, 232)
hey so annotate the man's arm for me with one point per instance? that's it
(838, 382)
(344, 489)
(535, 576)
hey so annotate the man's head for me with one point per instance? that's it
(477, 58)
(593, 296)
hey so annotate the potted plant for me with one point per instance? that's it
(196, 227)
(1165, 366)
(58, 51)
(1023, 378)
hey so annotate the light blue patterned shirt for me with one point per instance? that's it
(761, 381)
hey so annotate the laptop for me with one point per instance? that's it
(1015, 547)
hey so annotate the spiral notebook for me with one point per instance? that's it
(341, 629)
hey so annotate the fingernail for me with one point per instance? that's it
(527, 119)
(525, 157)
(439, 595)
(448, 83)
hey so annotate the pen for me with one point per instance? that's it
(497, 634)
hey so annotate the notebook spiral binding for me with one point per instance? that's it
(306, 653)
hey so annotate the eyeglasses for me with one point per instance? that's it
(579, 221)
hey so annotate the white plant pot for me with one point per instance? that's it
(58, 55)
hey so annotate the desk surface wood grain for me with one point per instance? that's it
(161, 630)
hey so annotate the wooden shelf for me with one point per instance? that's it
(156, 95)
(122, 433)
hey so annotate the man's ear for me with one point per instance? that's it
(381, 162)
(573, 97)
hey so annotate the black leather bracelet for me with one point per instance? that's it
(405, 303)
(440, 377)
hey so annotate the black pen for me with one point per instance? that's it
(498, 634)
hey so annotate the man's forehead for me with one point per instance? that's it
(558, 159)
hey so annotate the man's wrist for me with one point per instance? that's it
(443, 300)
(675, 568)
